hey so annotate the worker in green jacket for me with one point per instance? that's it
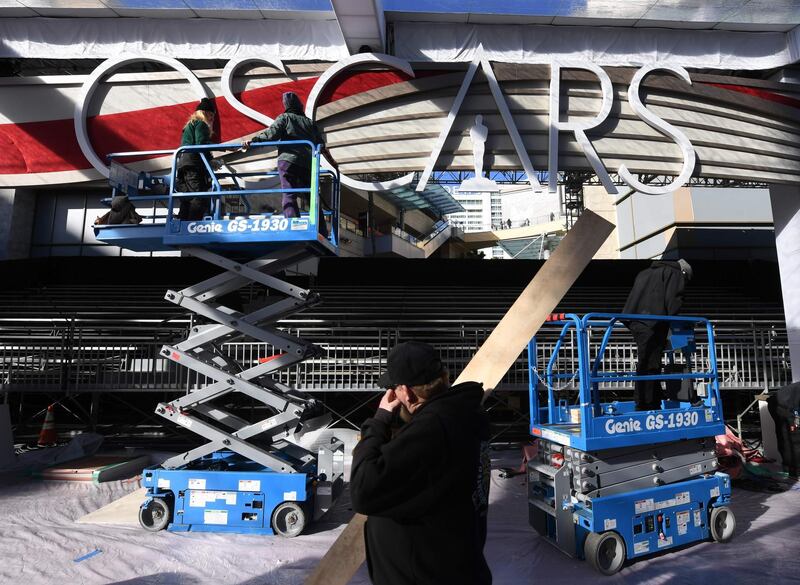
(294, 160)
(192, 175)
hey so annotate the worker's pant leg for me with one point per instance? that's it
(296, 177)
(192, 180)
(289, 180)
(650, 343)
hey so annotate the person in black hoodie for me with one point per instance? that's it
(426, 489)
(657, 290)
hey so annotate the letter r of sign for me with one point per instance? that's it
(579, 128)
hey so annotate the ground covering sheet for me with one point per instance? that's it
(40, 541)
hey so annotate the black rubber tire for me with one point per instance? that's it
(288, 519)
(155, 515)
(605, 552)
(722, 524)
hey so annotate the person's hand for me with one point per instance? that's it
(389, 401)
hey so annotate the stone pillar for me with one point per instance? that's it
(17, 208)
(786, 217)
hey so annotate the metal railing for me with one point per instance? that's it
(754, 359)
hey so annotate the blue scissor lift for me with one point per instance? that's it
(611, 483)
(266, 476)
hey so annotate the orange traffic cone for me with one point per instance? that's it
(48, 436)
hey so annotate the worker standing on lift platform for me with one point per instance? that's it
(192, 175)
(658, 290)
(294, 160)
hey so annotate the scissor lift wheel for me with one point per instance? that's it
(155, 515)
(722, 524)
(289, 519)
(605, 552)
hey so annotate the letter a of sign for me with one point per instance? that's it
(505, 113)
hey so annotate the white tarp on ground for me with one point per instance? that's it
(188, 38)
(609, 46)
(39, 542)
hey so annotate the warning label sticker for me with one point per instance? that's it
(609, 524)
(163, 483)
(199, 498)
(556, 437)
(665, 504)
(249, 485)
(643, 506)
(215, 516)
(641, 547)
(679, 499)
(709, 415)
(662, 542)
(698, 519)
(682, 519)
(714, 492)
(695, 469)
(197, 484)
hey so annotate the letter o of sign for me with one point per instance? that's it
(90, 85)
(323, 81)
(227, 76)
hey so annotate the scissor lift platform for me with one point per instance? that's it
(611, 483)
(243, 232)
(265, 476)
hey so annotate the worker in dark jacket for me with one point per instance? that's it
(657, 290)
(192, 175)
(294, 160)
(426, 489)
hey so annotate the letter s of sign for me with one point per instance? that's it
(91, 83)
(679, 137)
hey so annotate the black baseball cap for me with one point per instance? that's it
(411, 363)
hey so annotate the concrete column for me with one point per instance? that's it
(17, 208)
(786, 217)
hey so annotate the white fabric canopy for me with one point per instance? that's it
(100, 38)
(610, 46)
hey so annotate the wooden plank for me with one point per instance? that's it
(124, 511)
(537, 301)
(344, 557)
(491, 362)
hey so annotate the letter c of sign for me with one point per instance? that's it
(91, 83)
(328, 76)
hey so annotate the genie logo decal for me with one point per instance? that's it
(653, 422)
(203, 228)
(623, 426)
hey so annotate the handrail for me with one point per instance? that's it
(216, 191)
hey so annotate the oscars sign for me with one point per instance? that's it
(556, 126)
